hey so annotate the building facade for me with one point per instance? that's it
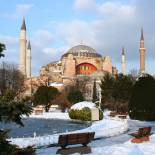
(80, 60)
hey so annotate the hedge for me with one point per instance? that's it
(83, 114)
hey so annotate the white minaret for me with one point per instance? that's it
(22, 42)
(28, 61)
(123, 62)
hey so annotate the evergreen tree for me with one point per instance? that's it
(122, 91)
(75, 96)
(116, 92)
(11, 110)
(142, 102)
(95, 98)
(106, 90)
(44, 95)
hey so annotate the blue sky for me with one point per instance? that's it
(54, 26)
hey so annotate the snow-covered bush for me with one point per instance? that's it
(82, 111)
(84, 114)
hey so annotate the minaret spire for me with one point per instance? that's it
(23, 27)
(142, 53)
(123, 61)
(29, 45)
(22, 43)
(142, 35)
(123, 51)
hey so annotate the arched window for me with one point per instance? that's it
(85, 69)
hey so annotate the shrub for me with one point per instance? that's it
(83, 114)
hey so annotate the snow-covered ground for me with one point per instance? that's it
(126, 148)
(116, 145)
(51, 115)
(114, 141)
(103, 128)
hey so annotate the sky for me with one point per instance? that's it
(54, 26)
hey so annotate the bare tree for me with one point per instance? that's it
(134, 73)
(10, 78)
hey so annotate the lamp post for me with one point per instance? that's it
(100, 96)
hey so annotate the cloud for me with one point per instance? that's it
(23, 9)
(75, 32)
(114, 9)
(12, 48)
(20, 11)
(85, 5)
(43, 38)
(117, 24)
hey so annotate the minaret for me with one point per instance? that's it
(123, 61)
(142, 53)
(28, 61)
(22, 42)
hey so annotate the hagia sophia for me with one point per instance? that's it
(78, 62)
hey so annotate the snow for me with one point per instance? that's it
(51, 115)
(108, 129)
(82, 105)
(116, 145)
(136, 151)
(126, 148)
(56, 84)
(103, 128)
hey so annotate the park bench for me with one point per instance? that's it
(75, 138)
(122, 116)
(113, 114)
(38, 110)
(142, 135)
(146, 131)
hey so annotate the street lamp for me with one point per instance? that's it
(100, 96)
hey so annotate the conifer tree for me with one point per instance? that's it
(142, 101)
(11, 110)
(95, 98)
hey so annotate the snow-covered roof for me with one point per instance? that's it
(82, 105)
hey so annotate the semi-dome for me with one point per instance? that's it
(82, 51)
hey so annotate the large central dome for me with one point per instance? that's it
(82, 51)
